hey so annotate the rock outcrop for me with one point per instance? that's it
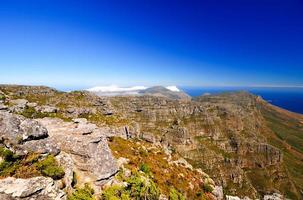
(84, 148)
(23, 135)
(38, 188)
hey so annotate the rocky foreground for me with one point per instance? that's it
(56, 145)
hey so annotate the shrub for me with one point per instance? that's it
(207, 188)
(115, 193)
(8, 155)
(49, 167)
(175, 195)
(141, 187)
(85, 193)
(2, 97)
(145, 168)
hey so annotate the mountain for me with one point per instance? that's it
(209, 147)
(171, 92)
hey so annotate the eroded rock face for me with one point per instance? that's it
(38, 188)
(25, 135)
(89, 151)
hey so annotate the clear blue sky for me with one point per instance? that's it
(151, 42)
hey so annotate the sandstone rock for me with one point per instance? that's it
(232, 197)
(32, 130)
(148, 137)
(43, 146)
(40, 188)
(18, 105)
(80, 120)
(46, 109)
(218, 192)
(32, 104)
(68, 164)
(183, 162)
(24, 135)
(274, 196)
(3, 107)
(122, 161)
(92, 158)
(163, 197)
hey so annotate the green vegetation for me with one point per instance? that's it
(145, 168)
(207, 188)
(85, 193)
(139, 186)
(30, 112)
(175, 195)
(286, 134)
(49, 167)
(153, 165)
(28, 166)
(115, 193)
(2, 97)
(9, 163)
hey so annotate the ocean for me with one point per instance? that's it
(288, 98)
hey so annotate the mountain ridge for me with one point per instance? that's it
(248, 146)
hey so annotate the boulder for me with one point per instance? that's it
(39, 188)
(232, 197)
(274, 196)
(18, 105)
(218, 192)
(92, 158)
(32, 130)
(32, 105)
(25, 135)
(46, 109)
(67, 163)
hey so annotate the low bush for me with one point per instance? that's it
(115, 193)
(49, 167)
(85, 193)
(145, 168)
(138, 187)
(175, 195)
(207, 188)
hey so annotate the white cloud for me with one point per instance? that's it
(114, 88)
(173, 88)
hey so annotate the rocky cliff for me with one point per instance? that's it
(247, 146)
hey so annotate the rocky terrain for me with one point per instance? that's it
(76, 145)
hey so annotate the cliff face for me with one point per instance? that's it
(248, 146)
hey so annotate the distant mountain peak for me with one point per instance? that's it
(172, 92)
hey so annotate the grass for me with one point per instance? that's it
(28, 166)
(31, 113)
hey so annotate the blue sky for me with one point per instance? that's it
(72, 43)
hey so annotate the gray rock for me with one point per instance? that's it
(18, 105)
(46, 109)
(32, 130)
(67, 163)
(232, 197)
(274, 196)
(25, 135)
(218, 192)
(45, 146)
(40, 188)
(92, 158)
(3, 107)
(32, 105)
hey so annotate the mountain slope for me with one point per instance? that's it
(246, 145)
